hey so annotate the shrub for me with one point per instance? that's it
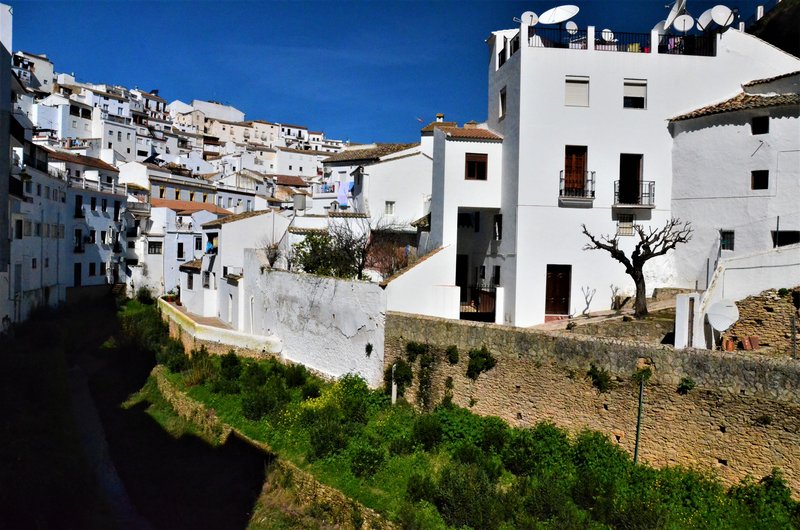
(326, 432)
(545, 449)
(295, 375)
(427, 431)
(415, 349)
(686, 385)
(600, 378)
(201, 367)
(783, 291)
(366, 456)
(468, 453)
(402, 376)
(420, 516)
(421, 487)
(144, 296)
(452, 354)
(427, 362)
(230, 366)
(459, 425)
(466, 497)
(353, 398)
(494, 435)
(222, 385)
(258, 402)
(763, 420)
(173, 356)
(311, 389)
(479, 361)
(253, 375)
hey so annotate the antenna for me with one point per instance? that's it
(721, 315)
(683, 23)
(677, 8)
(559, 14)
(572, 27)
(607, 35)
(722, 15)
(704, 20)
(528, 17)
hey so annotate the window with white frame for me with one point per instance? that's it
(576, 91)
(625, 224)
(634, 94)
(389, 208)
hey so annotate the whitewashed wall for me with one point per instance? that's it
(323, 323)
(439, 297)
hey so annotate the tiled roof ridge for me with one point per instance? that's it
(741, 101)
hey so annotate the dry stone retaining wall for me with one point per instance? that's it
(742, 418)
(767, 316)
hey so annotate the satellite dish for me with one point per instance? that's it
(677, 8)
(722, 15)
(572, 27)
(704, 20)
(529, 18)
(683, 23)
(661, 27)
(607, 35)
(721, 315)
(559, 14)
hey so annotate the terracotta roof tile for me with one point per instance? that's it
(236, 217)
(435, 124)
(187, 206)
(82, 160)
(741, 102)
(369, 153)
(289, 180)
(194, 265)
(471, 133)
(771, 79)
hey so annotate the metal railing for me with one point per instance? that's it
(646, 195)
(573, 184)
(138, 207)
(80, 182)
(624, 42)
(702, 45)
(556, 38)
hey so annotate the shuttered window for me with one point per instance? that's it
(635, 94)
(576, 93)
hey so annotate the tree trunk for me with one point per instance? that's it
(640, 305)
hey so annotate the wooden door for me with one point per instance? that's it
(557, 290)
(76, 275)
(574, 169)
(630, 178)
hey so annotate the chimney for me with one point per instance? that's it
(439, 118)
(154, 92)
(472, 124)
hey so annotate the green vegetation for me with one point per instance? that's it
(479, 361)
(686, 385)
(452, 354)
(449, 468)
(600, 378)
(321, 254)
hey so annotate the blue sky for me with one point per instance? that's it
(359, 70)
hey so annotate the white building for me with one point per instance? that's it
(214, 110)
(34, 70)
(576, 134)
(736, 176)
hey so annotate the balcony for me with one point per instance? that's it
(138, 207)
(576, 189)
(633, 195)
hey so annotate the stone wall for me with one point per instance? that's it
(743, 416)
(767, 316)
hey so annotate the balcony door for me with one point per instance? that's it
(575, 170)
(630, 178)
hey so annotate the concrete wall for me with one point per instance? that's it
(323, 323)
(542, 376)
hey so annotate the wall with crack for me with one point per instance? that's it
(324, 323)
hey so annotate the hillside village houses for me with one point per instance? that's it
(582, 128)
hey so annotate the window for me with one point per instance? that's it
(726, 239)
(502, 104)
(18, 229)
(634, 94)
(759, 125)
(129, 137)
(388, 208)
(161, 192)
(92, 269)
(475, 166)
(198, 243)
(46, 263)
(180, 250)
(576, 91)
(102, 268)
(230, 202)
(109, 145)
(482, 272)
(154, 247)
(93, 203)
(37, 229)
(206, 279)
(39, 190)
(103, 237)
(759, 180)
(28, 229)
(625, 224)
(498, 227)
(119, 136)
(205, 197)
(74, 124)
(300, 169)
(476, 220)
(191, 196)
(782, 238)
(496, 275)
(190, 281)
(104, 204)
(290, 168)
(177, 194)
(92, 236)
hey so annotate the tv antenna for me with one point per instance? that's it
(528, 17)
(677, 9)
(722, 315)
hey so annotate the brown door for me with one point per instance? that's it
(557, 290)
(630, 178)
(574, 170)
(462, 274)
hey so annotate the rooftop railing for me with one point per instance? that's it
(702, 45)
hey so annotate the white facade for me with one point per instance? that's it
(218, 111)
(547, 103)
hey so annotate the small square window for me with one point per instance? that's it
(476, 166)
(154, 247)
(726, 238)
(634, 94)
(759, 125)
(759, 180)
(625, 224)
(576, 91)
(389, 208)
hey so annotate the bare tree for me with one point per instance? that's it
(652, 243)
(588, 296)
